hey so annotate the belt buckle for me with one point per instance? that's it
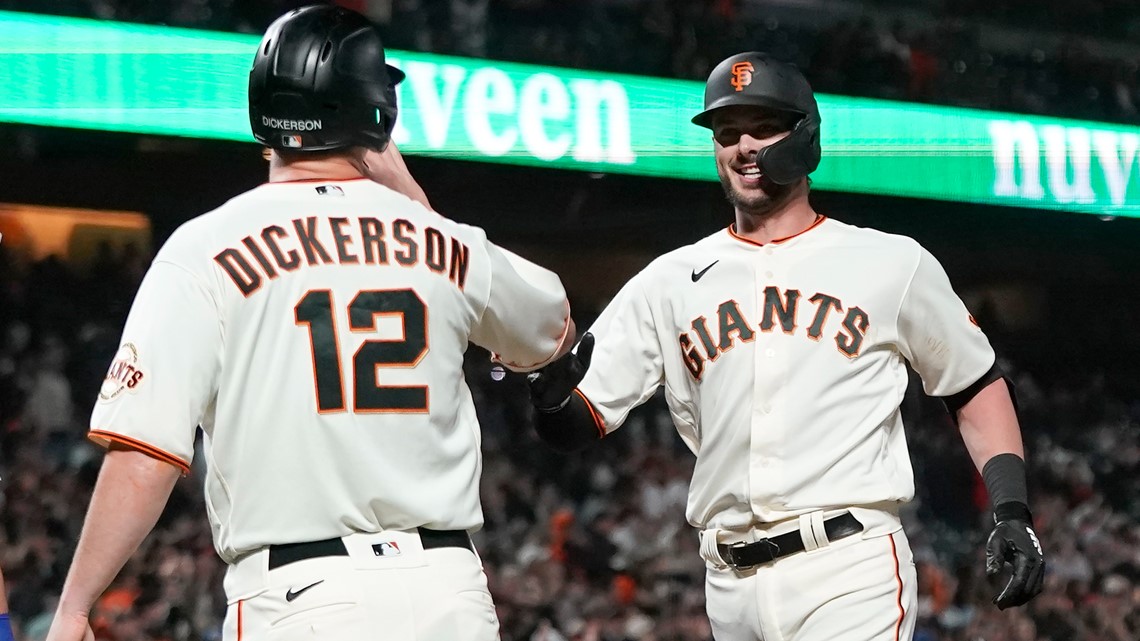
(775, 549)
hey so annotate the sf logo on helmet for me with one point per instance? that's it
(741, 75)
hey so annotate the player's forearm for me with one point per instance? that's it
(988, 423)
(129, 496)
(3, 596)
(989, 427)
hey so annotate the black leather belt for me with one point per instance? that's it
(286, 553)
(746, 555)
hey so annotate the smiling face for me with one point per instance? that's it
(741, 133)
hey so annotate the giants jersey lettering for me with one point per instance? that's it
(783, 365)
(316, 332)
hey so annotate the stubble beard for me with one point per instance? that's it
(761, 202)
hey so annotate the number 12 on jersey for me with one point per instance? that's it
(315, 310)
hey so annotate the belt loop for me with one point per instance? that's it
(818, 530)
(806, 534)
(247, 575)
(709, 551)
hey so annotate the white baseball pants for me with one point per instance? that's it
(388, 588)
(853, 589)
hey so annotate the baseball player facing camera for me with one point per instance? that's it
(782, 344)
(315, 328)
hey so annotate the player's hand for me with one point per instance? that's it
(70, 627)
(551, 386)
(387, 168)
(1013, 542)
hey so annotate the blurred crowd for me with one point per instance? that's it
(1114, 18)
(943, 56)
(594, 546)
(587, 547)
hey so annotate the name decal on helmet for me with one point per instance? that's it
(742, 75)
(291, 125)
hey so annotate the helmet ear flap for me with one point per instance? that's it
(797, 155)
(754, 79)
(386, 120)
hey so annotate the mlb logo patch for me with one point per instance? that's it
(330, 190)
(293, 142)
(386, 548)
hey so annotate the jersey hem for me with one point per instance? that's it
(548, 359)
(104, 439)
(960, 398)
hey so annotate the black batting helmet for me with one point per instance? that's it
(319, 82)
(756, 79)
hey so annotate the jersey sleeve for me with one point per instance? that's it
(937, 334)
(627, 365)
(165, 373)
(526, 320)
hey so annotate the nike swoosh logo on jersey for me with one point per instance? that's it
(697, 274)
(290, 595)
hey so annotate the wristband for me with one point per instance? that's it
(6, 628)
(571, 428)
(1004, 476)
(558, 408)
(1012, 510)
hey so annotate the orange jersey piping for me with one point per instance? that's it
(819, 218)
(106, 438)
(598, 422)
(898, 578)
(561, 341)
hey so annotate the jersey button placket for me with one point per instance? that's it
(761, 479)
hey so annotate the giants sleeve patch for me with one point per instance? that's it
(124, 374)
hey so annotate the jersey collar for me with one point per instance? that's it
(303, 181)
(819, 218)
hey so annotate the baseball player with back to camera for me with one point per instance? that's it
(781, 343)
(315, 328)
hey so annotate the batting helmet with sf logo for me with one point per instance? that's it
(756, 79)
(742, 74)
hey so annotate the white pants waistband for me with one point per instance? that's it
(389, 549)
(876, 520)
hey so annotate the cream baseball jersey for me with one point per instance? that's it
(783, 365)
(316, 332)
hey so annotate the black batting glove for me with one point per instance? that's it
(551, 386)
(1013, 542)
